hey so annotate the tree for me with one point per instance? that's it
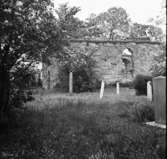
(160, 19)
(74, 59)
(80, 62)
(69, 24)
(28, 29)
(113, 24)
(142, 30)
(159, 63)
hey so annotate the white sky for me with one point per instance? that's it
(138, 10)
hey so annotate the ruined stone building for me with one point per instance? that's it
(109, 62)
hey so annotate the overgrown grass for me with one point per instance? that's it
(82, 127)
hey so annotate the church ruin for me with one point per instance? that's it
(112, 60)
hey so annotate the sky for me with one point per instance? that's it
(138, 10)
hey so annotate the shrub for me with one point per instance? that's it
(85, 80)
(143, 112)
(127, 84)
(140, 84)
(158, 67)
(23, 78)
(84, 77)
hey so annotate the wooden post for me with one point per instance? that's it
(149, 91)
(102, 89)
(71, 82)
(117, 87)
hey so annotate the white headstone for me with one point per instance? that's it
(149, 91)
(102, 89)
(70, 82)
(117, 87)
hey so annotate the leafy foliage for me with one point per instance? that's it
(159, 63)
(160, 19)
(150, 31)
(28, 29)
(23, 78)
(112, 24)
(143, 112)
(115, 24)
(69, 24)
(82, 65)
(75, 58)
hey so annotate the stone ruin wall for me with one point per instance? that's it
(50, 75)
(111, 68)
(109, 63)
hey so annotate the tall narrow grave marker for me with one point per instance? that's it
(159, 99)
(102, 89)
(117, 87)
(70, 82)
(149, 91)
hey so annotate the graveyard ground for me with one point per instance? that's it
(81, 126)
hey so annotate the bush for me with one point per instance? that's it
(127, 84)
(158, 67)
(140, 84)
(85, 80)
(143, 112)
(23, 78)
(84, 77)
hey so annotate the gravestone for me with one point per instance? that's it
(117, 87)
(71, 82)
(149, 91)
(159, 99)
(102, 89)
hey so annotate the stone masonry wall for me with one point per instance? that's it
(109, 65)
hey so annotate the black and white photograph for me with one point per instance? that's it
(83, 79)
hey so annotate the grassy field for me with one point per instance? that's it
(82, 126)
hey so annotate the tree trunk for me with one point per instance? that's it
(4, 93)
